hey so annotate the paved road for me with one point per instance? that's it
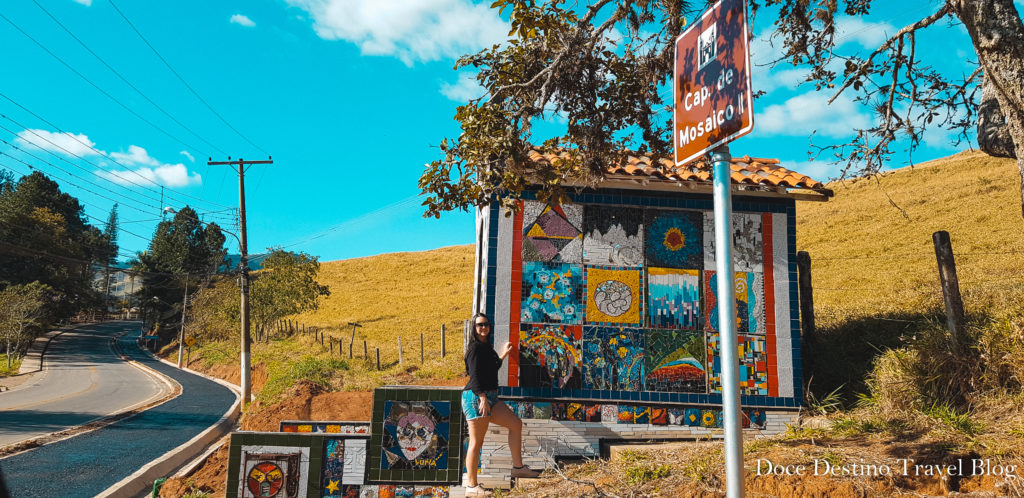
(84, 380)
(87, 464)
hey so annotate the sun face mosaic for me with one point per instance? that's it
(549, 356)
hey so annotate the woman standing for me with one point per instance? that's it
(481, 406)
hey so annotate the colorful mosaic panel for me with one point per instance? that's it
(747, 247)
(673, 298)
(673, 239)
(551, 293)
(614, 296)
(542, 411)
(393, 491)
(675, 361)
(552, 233)
(748, 288)
(753, 372)
(613, 236)
(549, 356)
(659, 416)
(613, 359)
(271, 471)
(416, 436)
(676, 416)
(314, 427)
(626, 414)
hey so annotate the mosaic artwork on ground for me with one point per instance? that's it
(747, 248)
(614, 296)
(673, 238)
(415, 435)
(634, 414)
(675, 361)
(272, 471)
(551, 293)
(549, 356)
(749, 291)
(673, 298)
(330, 427)
(552, 233)
(753, 372)
(394, 491)
(613, 236)
(613, 359)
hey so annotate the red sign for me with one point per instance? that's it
(711, 90)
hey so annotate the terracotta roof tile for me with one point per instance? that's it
(746, 170)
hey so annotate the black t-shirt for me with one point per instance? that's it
(482, 364)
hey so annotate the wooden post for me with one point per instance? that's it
(353, 339)
(950, 286)
(303, 329)
(399, 350)
(803, 265)
(330, 340)
(442, 341)
(350, 350)
(421, 348)
(378, 358)
(364, 349)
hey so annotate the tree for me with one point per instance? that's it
(110, 246)
(605, 66)
(21, 309)
(287, 285)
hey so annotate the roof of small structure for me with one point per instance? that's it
(749, 174)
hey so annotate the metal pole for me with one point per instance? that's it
(181, 333)
(732, 423)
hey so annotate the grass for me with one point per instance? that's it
(15, 366)
(390, 295)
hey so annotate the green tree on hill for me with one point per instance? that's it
(22, 310)
(287, 285)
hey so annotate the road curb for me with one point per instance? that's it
(33, 360)
(142, 479)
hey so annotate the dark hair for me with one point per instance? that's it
(489, 322)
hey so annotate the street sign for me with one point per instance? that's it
(711, 84)
(190, 341)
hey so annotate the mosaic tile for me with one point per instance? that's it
(676, 416)
(641, 414)
(552, 234)
(673, 298)
(626, 414)
(747, 245)
(659, 416)
(576, 412)
(327, 427)
(758, 417)
(525, 410)
(673, 239)
(614, 296)
(613, 359)
(542, 411)
(753, 364)
(549, 356)
(559, 411)
(266, 470)
(609, 414)
(709, 418)
(693, 417)
(675, 361)
(748, 289)
(419, 437)
(593, 413)
(551, 293)
(613, 236)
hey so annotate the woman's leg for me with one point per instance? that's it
(477, 431)
(503, 416)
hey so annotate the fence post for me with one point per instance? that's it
(421, 348)
(803, 265)
(399, 350)
(330, 340)
(950, 286)
(442, 341)
(378, 358)
(364, 349)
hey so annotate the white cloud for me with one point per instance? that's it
(464, 89)
(866, 34)
(87, 3)
(803, 114)
(823, 171)
(61, 143)
(242, 20)
(189, 156)
(170, 175)
(424, 30)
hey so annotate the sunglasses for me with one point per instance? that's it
(482, 324)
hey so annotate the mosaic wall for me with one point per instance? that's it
(328, 427)
(636, 310)
(415, 436)
(753, 418)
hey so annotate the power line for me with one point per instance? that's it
(97, 87)
(182, 80)
(125, 80)
(108, 156)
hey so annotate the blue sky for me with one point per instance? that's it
(350, 97)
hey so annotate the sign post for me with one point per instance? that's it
(712, 100)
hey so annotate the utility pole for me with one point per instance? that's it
(243, 265)
(181, 333)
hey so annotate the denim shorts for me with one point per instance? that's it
(471, 403)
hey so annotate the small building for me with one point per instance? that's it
(610, 303)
